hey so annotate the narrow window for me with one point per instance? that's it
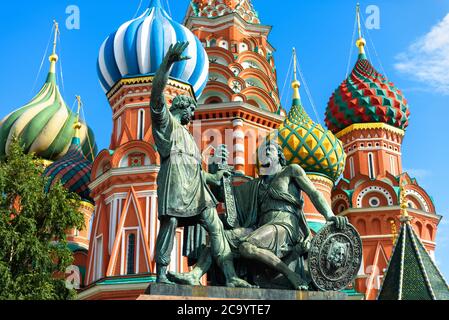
(372, 173)
(393, 165)
(141, 124)
(351, 167)
(119, 128)
(91, 223)
(99, 258)
(131, 255)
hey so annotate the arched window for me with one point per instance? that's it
(430, 232)
(361, 227)
(253, 103)
(213, 100)
(376, 227)
(351, 167)
(141, 124)
(131, 254)
(213, 43)
(372, 172)
(418, 229)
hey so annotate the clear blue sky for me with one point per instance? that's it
(320, 30)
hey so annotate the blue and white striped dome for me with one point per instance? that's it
(139, 46)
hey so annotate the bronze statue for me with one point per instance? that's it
(272, 227)
(184, 198)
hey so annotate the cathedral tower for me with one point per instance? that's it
(240, 104)
(370, 116)
(124, 177)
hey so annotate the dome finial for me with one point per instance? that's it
(54, 57)
(77, 126)
(295, 84)
(361, 42)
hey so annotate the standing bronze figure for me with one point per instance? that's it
(184, 198)
(272, 229)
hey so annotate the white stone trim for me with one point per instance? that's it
(239, 147)
(239, 161)
(123, 171)
(237, 123)
(239, 134)
(368, 190)
(415, 194)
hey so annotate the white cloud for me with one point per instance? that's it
(427, 59)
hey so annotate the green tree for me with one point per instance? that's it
(33, 224)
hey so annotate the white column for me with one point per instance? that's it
(239, 146)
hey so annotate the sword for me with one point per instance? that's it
(221, 161)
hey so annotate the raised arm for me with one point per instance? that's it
(318, 200)
(160, 81)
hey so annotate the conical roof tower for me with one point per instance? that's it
(411, 273)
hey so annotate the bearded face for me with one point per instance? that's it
(268, 156)
(186, 114)
(337, 255)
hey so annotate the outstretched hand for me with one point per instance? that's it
(175, 52)
(340, 222)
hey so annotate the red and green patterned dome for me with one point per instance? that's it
(73, 170)
(366, 96)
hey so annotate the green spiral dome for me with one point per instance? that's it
(45, 125)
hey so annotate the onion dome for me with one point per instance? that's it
(139, 46)
(366, 96)
(73, 169)
(45, 125)
(308, 144)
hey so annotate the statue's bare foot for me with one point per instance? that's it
(184, 278)
(164, 280)
(239, 283)
(298, 282)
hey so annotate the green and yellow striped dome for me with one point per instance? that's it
(45, 125)
(308, 144)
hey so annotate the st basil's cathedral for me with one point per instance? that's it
(355, 161)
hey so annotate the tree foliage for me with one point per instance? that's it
(33, 224)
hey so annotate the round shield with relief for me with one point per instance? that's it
(335, 257)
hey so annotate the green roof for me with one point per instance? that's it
(411, 273)
(352, 293)
(127, 280)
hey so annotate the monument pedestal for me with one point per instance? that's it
(178, 292)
